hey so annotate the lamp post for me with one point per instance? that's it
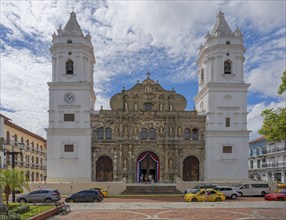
(13, 153)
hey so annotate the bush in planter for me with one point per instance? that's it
(13, 205)
(14, 216)
(21, 209)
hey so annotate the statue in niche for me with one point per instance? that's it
(125, 162)
(170, 163)
(161, 129)
(171, 131)
(125, 129)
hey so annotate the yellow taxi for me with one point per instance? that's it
(204, 195)
(103, 192)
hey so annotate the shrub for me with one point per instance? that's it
(14, 216)
(21, 209)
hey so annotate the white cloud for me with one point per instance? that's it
(131, 38)
(255, 119)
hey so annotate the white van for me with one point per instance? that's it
(253, 189)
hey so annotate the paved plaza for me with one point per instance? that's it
(147, 209)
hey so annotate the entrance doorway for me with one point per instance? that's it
(104, 169)
(148, 166)
(191, 169)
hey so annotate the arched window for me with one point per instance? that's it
(227, 122)
(100, 133)
(15, 139)
(144, 134)
(152, 134)
(8, 137)
(195, 134)
(69, 67)
(227, 67)
(108, 133)
(187, 134)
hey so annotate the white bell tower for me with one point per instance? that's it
(71, 100)
(222, 97)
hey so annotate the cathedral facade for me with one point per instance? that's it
(147, 132)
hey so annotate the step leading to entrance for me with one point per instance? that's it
(143, 189)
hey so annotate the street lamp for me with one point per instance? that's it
(13, 153)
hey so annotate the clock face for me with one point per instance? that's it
(69, 97)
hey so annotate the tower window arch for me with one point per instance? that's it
(227, 67)
(187, 134)
(144, 134)
(152, 134)
(195, 134)
(108, 133)
(227, 122)
(69, 67)
(100, 133)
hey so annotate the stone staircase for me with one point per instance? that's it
(148, 189)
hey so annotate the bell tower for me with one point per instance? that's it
(71, 100)
(222, 97)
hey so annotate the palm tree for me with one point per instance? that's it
(12, 180)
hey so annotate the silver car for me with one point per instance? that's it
(40, 195)
(228, 191)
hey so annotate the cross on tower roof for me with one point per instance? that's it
(148, 75)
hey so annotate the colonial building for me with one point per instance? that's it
(29, 151)
(147, 132)
(267, 160)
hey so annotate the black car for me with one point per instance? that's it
(85, 196)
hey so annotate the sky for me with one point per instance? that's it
(131, 38)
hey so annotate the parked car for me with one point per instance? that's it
(206, 186)
(85, 196)
(208, 195)
(228, 191)
(103, 192)
(253, 189)
(40, 195)
(190, 190)
(280, 196)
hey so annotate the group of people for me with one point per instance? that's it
(147, 178)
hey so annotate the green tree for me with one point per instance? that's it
(274, 122)
(11, 180)
(282, 87)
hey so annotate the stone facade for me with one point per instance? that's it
(147, 118)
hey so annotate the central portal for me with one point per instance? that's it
(148, 167)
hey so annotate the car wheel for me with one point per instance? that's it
(48, 200)
(263, 193)
(194, 200)
(233, 196)
(95, 200)
(240, 194)
(217, 199)
(22, 200)
(280, 199)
